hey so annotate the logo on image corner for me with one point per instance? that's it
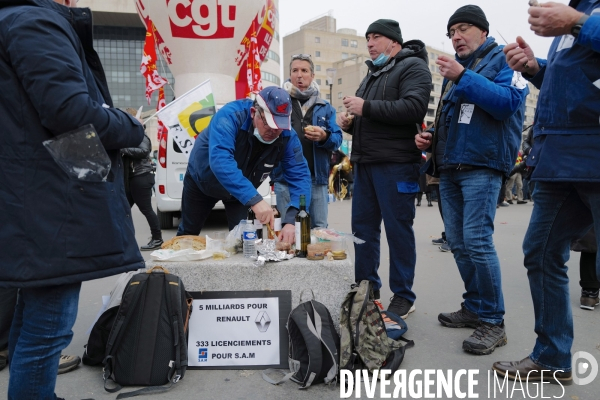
(585, 368)
(202, 354)
(262, 321)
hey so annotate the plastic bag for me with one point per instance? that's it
(334, 236)
(233, 241)
(80, 154)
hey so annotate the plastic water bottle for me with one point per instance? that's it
(249, 236)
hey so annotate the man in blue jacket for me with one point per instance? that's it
(57, 230)
(313, 119)
(238, 150)
(476, 139)
(566, 168)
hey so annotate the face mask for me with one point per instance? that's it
(257, 135)
(382, 58)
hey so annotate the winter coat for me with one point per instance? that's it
(58, 229)
(482, 115)
(220, 160)
(396, 97)
(566, 134)
(323, 115)
(137, 159)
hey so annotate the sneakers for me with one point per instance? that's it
(445, 247)
(504, 204)
(510, 202)
(438, 241)
(485, 339)
(401, 306)
(153, 244)
(459, 319)
(68, 363)
(589, 298)
(521, 202)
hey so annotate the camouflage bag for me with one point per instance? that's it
(364, 340)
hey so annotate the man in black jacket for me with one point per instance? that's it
(383, 118)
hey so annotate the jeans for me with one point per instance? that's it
(41, 329)
(140, 193)
(8, 299)
(196, 206)
(386, 191)
(469, 199)
(318, 203)
(562, 212)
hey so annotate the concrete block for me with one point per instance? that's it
(329, 280)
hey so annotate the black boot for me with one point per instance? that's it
(428, 200)
(419, 197)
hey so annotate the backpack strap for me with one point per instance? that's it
(324, 335)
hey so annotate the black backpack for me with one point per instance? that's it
(147, 345)
(314, 346)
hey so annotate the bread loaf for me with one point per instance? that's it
(185, 242)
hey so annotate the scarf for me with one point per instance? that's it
(311, 94)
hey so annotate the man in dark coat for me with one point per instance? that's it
(57, 230)
(383, 118)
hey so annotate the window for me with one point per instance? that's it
(267, 76)
(344, 56)
(353, 43)
(317, 54)
(345, 42)
(339, 81)
(430, 112)
(340, 109)
(317, 67)
(327, 96)
(339, 95)
(317, 39)
(319, 82)
(431, 100)
(273, 56)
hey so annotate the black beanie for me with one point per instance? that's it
(386, 27)
(472, 15)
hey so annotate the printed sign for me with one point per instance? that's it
(238, 330)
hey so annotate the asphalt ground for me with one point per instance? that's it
(438, 287)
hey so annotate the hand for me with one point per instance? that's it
(553, 19)
(354, 105)
(343, 120)
(315, 133)
(264, 213)
(423, 140)
(449, 68)
(520, 58)
(288, 234)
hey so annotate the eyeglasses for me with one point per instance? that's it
(301, 57)
(461, 29)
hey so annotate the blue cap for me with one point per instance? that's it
(277, 107)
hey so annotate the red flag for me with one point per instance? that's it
(162, 129)
(148, 66)
(253, 64)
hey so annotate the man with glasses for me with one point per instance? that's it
(238, 150)
(475, 141)
(313, 119)
(383, 118)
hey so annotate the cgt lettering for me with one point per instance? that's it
(202, 19)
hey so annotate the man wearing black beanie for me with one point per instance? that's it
(383, 118)
(475, 141)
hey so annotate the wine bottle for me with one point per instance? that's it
(302, 229)
(257, 225)
(276, 215)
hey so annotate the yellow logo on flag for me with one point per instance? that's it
(196, 117)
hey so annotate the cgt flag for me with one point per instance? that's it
(188, 115)
(148, 66)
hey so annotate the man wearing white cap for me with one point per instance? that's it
(244, 141)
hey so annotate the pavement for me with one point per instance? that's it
(438, 287)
